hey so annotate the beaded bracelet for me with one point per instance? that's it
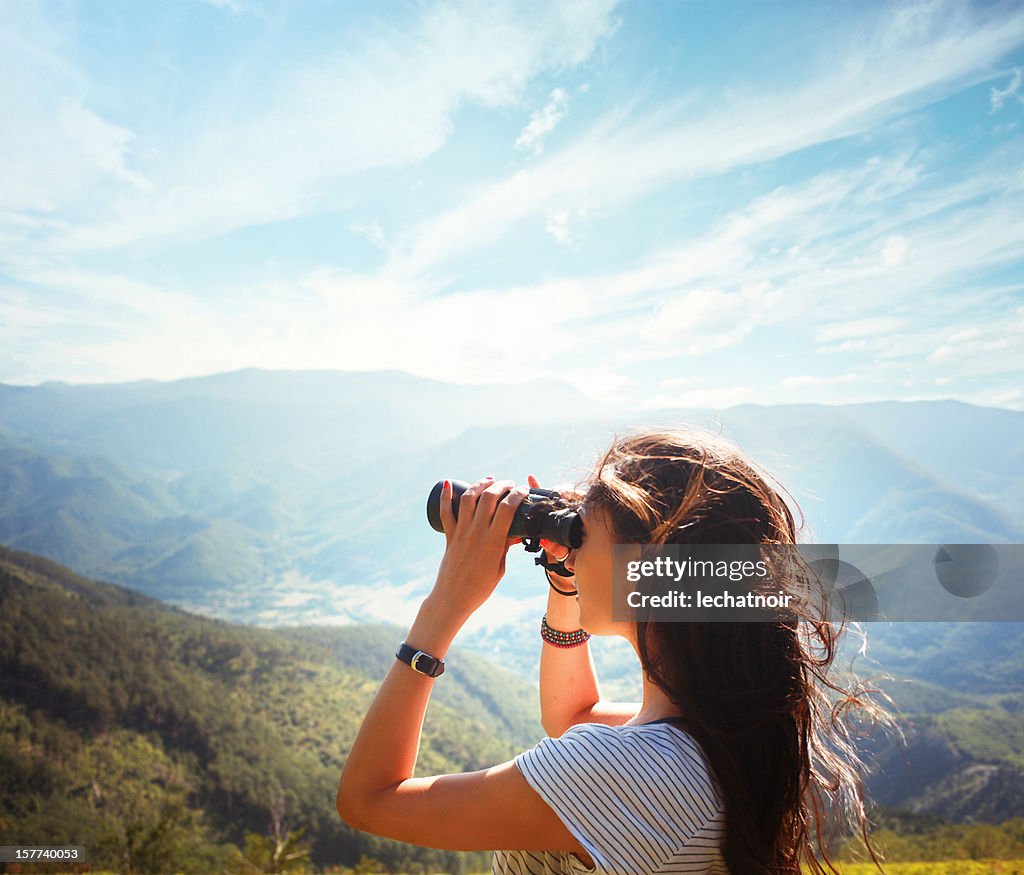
(557, 638)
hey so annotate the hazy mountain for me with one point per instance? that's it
(299, 497)
(297, 421)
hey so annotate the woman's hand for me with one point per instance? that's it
(476, 543)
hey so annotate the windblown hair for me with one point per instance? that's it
(759, 697)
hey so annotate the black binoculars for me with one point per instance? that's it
(543, 513)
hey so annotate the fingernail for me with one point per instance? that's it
(444, 485)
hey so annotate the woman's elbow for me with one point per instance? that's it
(551, 729)
(349, 807)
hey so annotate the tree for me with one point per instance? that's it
(278, 852)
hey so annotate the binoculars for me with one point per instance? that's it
(544, 513)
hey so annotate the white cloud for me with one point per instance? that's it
(233, 6)
(38, 172)
(1011, 398)
(560, 226)
(372, 231)
(706, 319)
(288, 147)
(715, 399)
(895, 251)
(104, 144)
(981, 342)
(693, 298)
(998, 97)
(909, 61)
(678, 382)
(543, 122)
(808, 381)
(873, 325)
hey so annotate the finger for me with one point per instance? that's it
(488, 501)
(467, 504)
(506, 509)
(447, 512)
(533, 481)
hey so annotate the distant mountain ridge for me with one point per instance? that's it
(293, 496)
(251, 416)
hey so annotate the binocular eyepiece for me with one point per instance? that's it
(543, 513)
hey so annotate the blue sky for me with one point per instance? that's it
(665, 204)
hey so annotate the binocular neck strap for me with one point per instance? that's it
(557, 567)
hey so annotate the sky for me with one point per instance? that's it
(665, 204)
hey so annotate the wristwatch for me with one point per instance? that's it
(419, 661)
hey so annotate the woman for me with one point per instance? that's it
(727, 765)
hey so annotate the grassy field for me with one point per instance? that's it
(949, 867)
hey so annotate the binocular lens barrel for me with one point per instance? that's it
(542, 514)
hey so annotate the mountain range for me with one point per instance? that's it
(297, 499)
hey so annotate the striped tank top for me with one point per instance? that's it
(641, 799)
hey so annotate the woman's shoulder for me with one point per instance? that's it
(610, 784)
(660, 754)
(669, 735)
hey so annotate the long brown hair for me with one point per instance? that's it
(760, 697)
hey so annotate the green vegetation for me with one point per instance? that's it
(162, 741)
(902, 837)
(165, 742)
(944, 867)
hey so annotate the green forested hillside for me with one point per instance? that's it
(137, 729)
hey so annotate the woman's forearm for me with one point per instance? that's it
(568, 680)
(385, 750)
(383, 755)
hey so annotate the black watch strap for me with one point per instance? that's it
(419, 661)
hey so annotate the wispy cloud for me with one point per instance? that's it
(999, 96)
(895, 250)
(543, 122)
(691, 300)
(372, 231)
(387, 101)
(908, 61)
(868, 327)
(1001, 340)
(104, 144)
(806, 238)
(234, 6)
(711, 399)
(806, 381)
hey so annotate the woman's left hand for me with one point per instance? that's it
(476, 543)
